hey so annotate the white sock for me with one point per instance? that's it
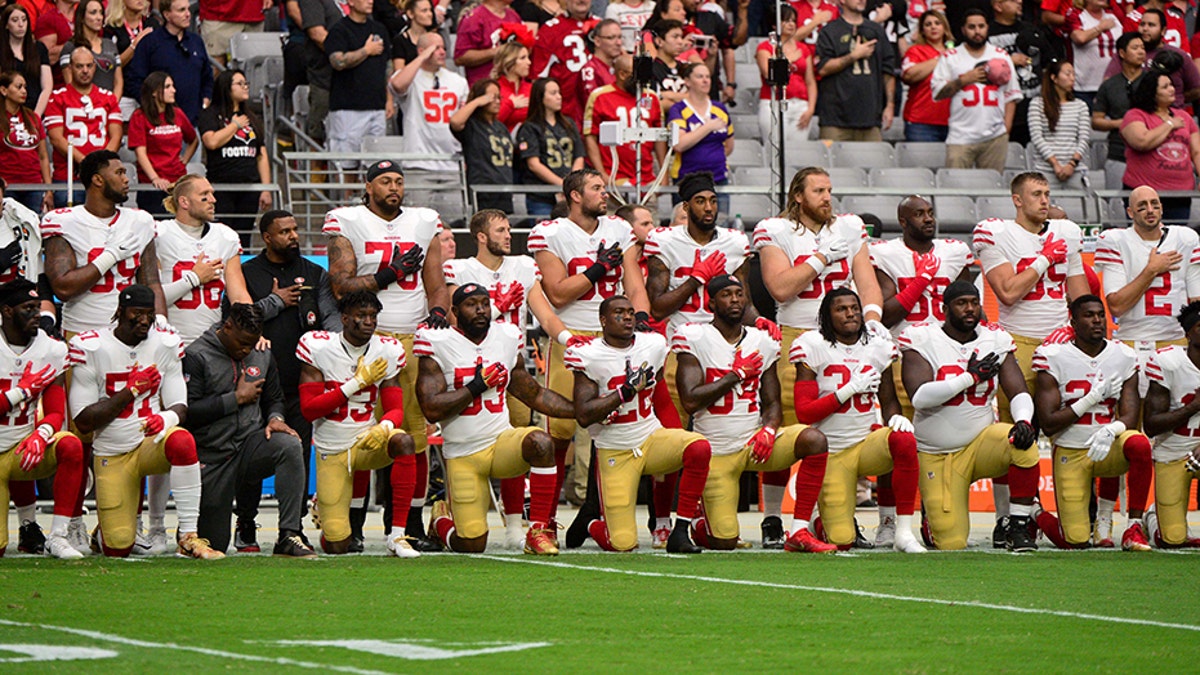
(1000, 495)
(797, 525)
(512, 521)
(888, 512)
(661, 523)
(417, 503)
(904, 525)
(58, 526)
(1105, 508)
(358, 502)
(1021, 510)
(158, 488)
(773, 500)
(27, 513)
(185, 482)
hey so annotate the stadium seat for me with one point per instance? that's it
(1097, 153)
(847, 177)
(928, 155)
(894, 133)
(752, 175)
(995, 207)
(916, 177)
(883, 207)
(748, 78)
(1096, 178)
(862, 154)
(747, 152)
(955, 215)
(752, 208)
(746, 127)
(974, 179)
(383, 144)
(1016, 157)
(1114, 214)
(1074, 206)
(805, 153)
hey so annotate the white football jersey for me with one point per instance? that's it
(677, 251)
(834, 365)
(1171, 368)
(577, 251)
(18, 222)
(1075, 371)
(976, 111)
(798, 243)
(731, 421)
(1121, 255)
(42, 351)
(954, 424)
(605, 365)
(87, 234)
(334, 357)
(896, 260)
(177, 251)
(514, 269)
(1044, 308)
(100, 367)
(373, 240)
(480, 423)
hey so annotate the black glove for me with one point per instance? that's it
(636, 380)
(49, 326)
(477, 386)
(400, 266)
(10, 254)
(983, 369)
(436, 319)
(1022, 435)
(643, 323)
(607, 259)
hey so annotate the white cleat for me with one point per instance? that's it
(398, 546)
(514, 537)
(907, 543)
(1150, 520)
(59, 547)
(885, 534)
(159, 544)
(78, 537)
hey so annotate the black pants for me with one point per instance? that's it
(223, 478)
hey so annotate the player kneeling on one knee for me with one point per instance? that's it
(127, 384)
(465, 373)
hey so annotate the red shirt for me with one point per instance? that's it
(163, 143)
(609, 104)
(19, 161)
(52, 22)
(797, 87)
(595, 74)
(86, 123)
(1168, 166)
(804, 15)
(1176, 30)
(919, 106)
(510, 115)
(560, 54)
(239, 11)
(480, 29)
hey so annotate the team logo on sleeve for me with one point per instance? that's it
(253, 371)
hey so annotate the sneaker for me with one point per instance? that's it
(78, 536)
(292, 546)
(191, 546)
(158, 541)
(400, 547)
(885, 534)
(577, 533)
(539, 542)
(1134, 538)
(245, 538)
(1000, 533)
(861, 542)
(58, 547)
(141, 544)
(1102, 534)
(773, 535)
(357, 545)
(806, 542)
(660, 537)
(680, 541)
(1019, 538)
(31, 539)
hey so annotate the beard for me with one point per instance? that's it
(494, 248)
(113, 195)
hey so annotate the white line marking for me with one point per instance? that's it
(853, 592)
(409, 649)
(109, 637)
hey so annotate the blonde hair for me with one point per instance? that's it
(506, 58)
(180, 188)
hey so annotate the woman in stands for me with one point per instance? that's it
(670, 9)
(89, 32)
(233, 140)
(24, 158)
(1060, 127)
(486, 146)
(511, 72)
(925, 120)
(23, 54)
(705, 131)
(127, 22)
(163, 140)
(1162, 144)
(801, 93)
(548, 146)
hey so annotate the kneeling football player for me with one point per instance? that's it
(464, 373)
(727, 381)
(843, 375)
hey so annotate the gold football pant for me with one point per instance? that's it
(1073, 478)
(10, 469)
(721, 490)
(467, 477)
(870, 457)
(562, 381)
(1172, 482)
(119, 488)
(335, 484)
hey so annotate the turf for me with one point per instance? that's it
(616, 613)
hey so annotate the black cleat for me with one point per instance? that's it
(860, 541)
(357, 544)
(245, 539)
(772, 533)
(1019, 539)
(290, 545)
(577, 533)
(1000, 533)
(423, 544)
(680, 541)
(31, 539)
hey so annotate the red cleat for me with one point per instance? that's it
(803, 541)
(1135, 539)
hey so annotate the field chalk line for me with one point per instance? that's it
(850, 591)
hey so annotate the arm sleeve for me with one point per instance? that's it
(810, 407)
(936, 392)
(173, 391)
(173, 291)
(84, 391)
(270, 305)
(54, 407)
(316, 403)
(331, 319)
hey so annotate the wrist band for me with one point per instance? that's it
(595, 272)
(385, 277)
(563, 336)
(872, 308)
(814, 262)
(1040, 264)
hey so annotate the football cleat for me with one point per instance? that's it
(773, 535)
(157, 538)
(1000, 533)
(292, 546)
(78, 535)
(437, 511)
(577, 533)
(1019, 538)
(245, 539)
(861, 542)
(1134, 538)
(905, 542)
(926, 531)
(191, 546)
(58, 547)
(804, 541)
(539, 542)
(1102, 533)
(885, 534)
(31, 539)
(141, 544)
(400, 546)
(743, 544)
(680, 541)
(660, 537)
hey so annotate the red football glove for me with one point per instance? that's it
(495, 376)
(35, 383)
(1057, 337)
(704, 269)
(761, 444)
(770, 326)
(579, 340)
(153, 425)
(32, 450)
(144, 381)
(746, 366)
(510, 299)
(1054, 250)
(926, 265)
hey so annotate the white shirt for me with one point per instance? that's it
(42, 351)
(18, 222)
(1121, 255)
(1094, 56)
(1172, 369)
(677, 251)
(897, 261)
(577, 251)
(605, 365)
(199, 308)
(1075, 372)
(977, 110)
(427, 112)
(632, 20)
(514, 269)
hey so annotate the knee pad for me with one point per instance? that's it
(1137, 448)
(697, 452)
(180, 448)
(69, 450)
(902, 446)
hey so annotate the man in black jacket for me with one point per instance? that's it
(235, 413)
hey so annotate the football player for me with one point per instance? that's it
(127, 389)
(379, 247)
(344, 378)
(843, 380)
(33, 447)
(728, 383)
(951, 369)
(467, 374)
(1087, 402)
(806, 253)
(614, 376)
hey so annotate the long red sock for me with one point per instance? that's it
(444, 527)
(903, 448)
(1049, 524)
(693, 476)
(809, 477)
(560, 465)
(779, 478)
(700, 532)
(1023, 482)
(68, 477)
(664, 494)
(1141, 470)
(542, 481)
(1110, 486)
(362, 484)
(23, 492)
(884, 494)
(421, 476)
(404, 481)
(599, 532)
(512, 495)
(1001, 480)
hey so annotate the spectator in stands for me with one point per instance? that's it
(511, 72)
(1094, 33)
(668, 45)
(800, 95)
(163, 140)
(1059, 127)
(429, 96)
(631, 18)
(715, 39)
(233, 143)
(54, 28)
(1054, 16)
(925, 120)
(811, 17)
(673, 10)
(537, 13)
(891, 14)
(855, 64)
(1185, 79)
(598, 71)
(21, 53)
(72, 124)
(295, 71)
(1175, 20)
(127, 23)
(1112, 102)
(705, 132)
(178, 52)
(1030, 46)
(220, 20)
(359, 50)
(486, 144)
(560, 52)
(89, 32)
(478, 37)
(548, 146)
(23, 155)
(981, 111)
(419, 14)
(619, 102)
(318, 17)
(1162, 144)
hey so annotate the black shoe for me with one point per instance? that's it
(772, 532)
(357, 544)
(291, 545)
(868, 503)
(859, 540)
(1000, 533)
(245, 538)
(1019, 539)
(31, 539)
(423, 545)
(577, 533)
(680, 540)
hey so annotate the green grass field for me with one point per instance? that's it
(746, 611)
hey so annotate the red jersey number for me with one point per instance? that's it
(979, 395)
(209, 294)
(861, 402)
(125, 269)
(384, 249)
(1051, 285)
(644, 399)
(492, 399)
(1158, 301)
(19, 417)
(111, 380)
(357, 411)
(930, 302)
(746, 391)
(1077, 389)
(439, 105)
(834, 276)
(605, 288)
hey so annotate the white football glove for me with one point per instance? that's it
(901, 424)
(860, 382)
(877, 330)
(833, 249)
(1113, 388)
(1096, 394)
(1101, 442)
